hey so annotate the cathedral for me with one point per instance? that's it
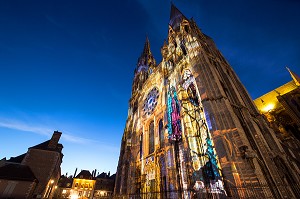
(192, 129)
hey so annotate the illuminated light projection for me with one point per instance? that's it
(206, 170)
(204, 115)
(174, 124)
(151, 101)
(175, 137)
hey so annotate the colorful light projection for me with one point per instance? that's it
(206, 169)
(150, 101)
(174, 123)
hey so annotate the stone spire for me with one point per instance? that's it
(147, 50)
(294, 76)
(146, 59)
(145, 62)
(176, 17)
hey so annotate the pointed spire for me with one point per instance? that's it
(146, 59)
(294, 76)
(147, 50)
(176, 17)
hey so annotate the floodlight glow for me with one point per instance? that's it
(268, 107)
(74, 196)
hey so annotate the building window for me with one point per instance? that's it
(135, 106)
(141, 146)
(161, 133)
(151, 137)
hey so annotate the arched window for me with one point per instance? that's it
(151, 137)
(161, 133)
(135, 106)
(141, 146)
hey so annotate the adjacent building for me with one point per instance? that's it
(281, 108)
(64, 187)
(33, 174)
(85, 185)
(104, 187)
(193, 130)
(16, 180)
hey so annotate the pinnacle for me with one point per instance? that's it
(294, 76)
(147, 50)
(146, 57)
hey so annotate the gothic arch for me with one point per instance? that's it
(161, 133)
(151, 137)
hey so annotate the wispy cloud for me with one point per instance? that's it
(41, 130)
(76, 139)
(17, 125)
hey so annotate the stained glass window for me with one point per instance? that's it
(151, 137)
(151, 101)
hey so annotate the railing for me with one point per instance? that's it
(243, 192)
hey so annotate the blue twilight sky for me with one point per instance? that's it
(68, 65)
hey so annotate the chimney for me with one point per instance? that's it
(75, 173)
(95, 173)
(54, 140)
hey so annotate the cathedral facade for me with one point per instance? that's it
(192, 127)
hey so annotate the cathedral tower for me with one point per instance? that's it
(192, 127)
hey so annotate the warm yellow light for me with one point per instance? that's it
(55, 187)
(74, 196)
(52, 181)
(268, 107)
